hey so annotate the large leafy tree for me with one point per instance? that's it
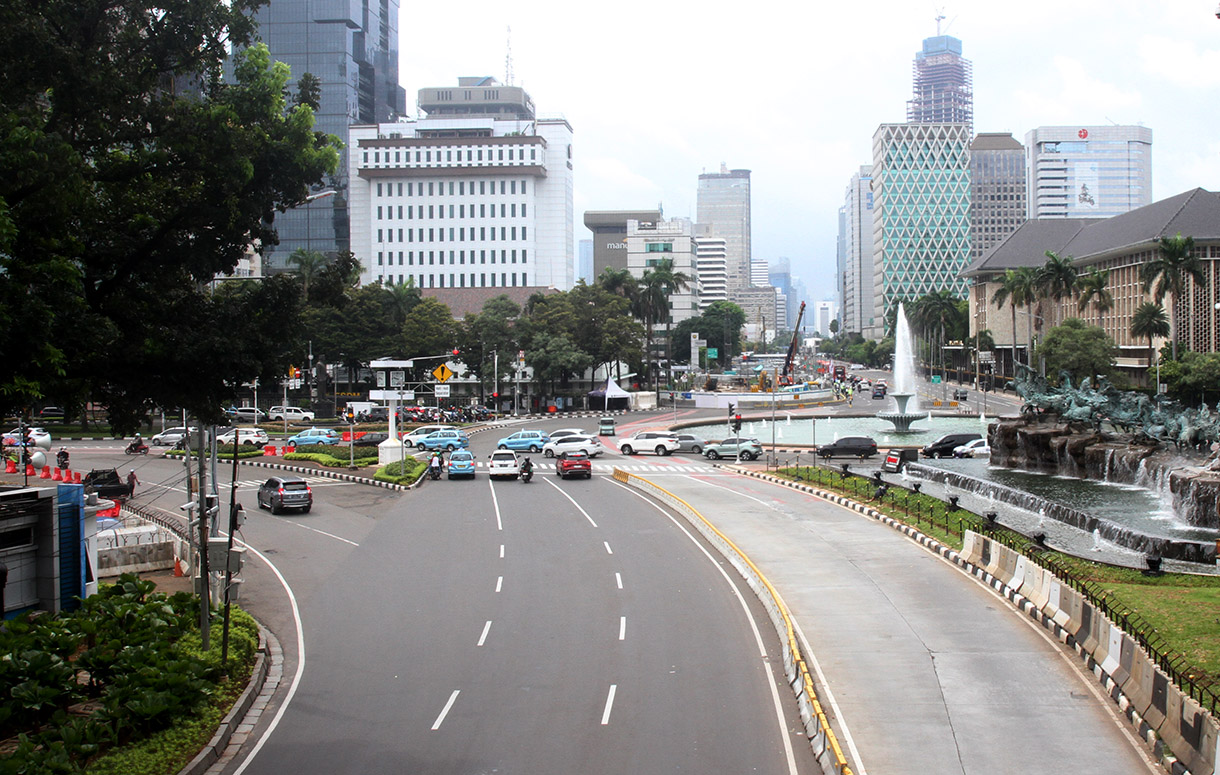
(489, 340)
(121, 198)
(1078, 349)
(722, 330)
(1167, 272)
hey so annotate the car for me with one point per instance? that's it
(106, 482)
(328, 436)
(879, 392)
(897, 459)
(290, 413)
(503, 462)
(39, 436)
(857, 367)
(689, 442)
(461, 463)
(559, 434)
(849, 446)
(882, 383)
(961, 394)
(590, 445)
(533, 441)
(976, 448)
(172, 437)
(51, 413)
(446, 439)
(748, 449)
(412, 439)
(944, 446)
(285, 492)
(573, 463)
(660, 442)
(370, 439)
(248, 414)
(605, 426)
(247, 437)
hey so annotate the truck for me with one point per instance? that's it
(106, 482)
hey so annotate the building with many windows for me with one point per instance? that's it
(353, 52)
(723, 204)
(609, 229)
(1087, 171)
(997, 190)
(712, 267)
(649, 243)
(478, 194)
(856, 245)
(921, 214)
(943, 84)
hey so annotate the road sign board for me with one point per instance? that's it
(442, 391)
(442, 373)
(713, 352)
(935, 379)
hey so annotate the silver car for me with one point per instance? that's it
(689, 442)
(171, 437)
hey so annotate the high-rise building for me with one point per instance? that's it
(1087, 171)
(780, 277)
(584, 261)
(921, 215)
(823, 313)
(943, 84)
(353, 52)
(478, 194)
(759, 273)
(723, 203)
(649, 243)
(609, 229)
(711, 263)
(997, 190)
(857, 247)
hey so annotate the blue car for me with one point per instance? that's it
(527, 441)
(447, 440)
(314, 436)
(461, 463)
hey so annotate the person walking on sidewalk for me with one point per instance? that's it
(132, 481)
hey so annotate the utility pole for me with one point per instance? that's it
(205, 591)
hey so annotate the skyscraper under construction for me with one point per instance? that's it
(944, 84)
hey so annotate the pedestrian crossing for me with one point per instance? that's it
(634, 468)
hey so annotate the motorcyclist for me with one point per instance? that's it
(434, 465)
(61, 458)
(527, 466)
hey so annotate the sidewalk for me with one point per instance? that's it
(927, 671)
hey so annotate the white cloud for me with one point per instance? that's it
(1180, 63)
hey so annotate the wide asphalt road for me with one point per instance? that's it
(472, 627)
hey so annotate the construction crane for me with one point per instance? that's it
(785, 378)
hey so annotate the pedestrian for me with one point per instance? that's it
(132, 481)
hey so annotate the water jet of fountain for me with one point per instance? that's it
(1096, 540)
(904, 389)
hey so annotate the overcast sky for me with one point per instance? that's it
(658, 92)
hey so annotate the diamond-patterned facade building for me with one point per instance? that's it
(921, 216)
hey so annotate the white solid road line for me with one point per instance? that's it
(486, 629)
(445, 711)
(495, 504)
(574, 503)
(609, 704)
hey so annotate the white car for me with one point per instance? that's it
(502, 462)
(976, 448)
(559, 434)
(291, 413)
(414, 437)
(660, 442)
(171, 436)
(247, 437)
(39, 435)
(590, 445)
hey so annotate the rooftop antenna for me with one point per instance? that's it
(940, 17)
(508, 57)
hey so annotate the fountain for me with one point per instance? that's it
(905, 399)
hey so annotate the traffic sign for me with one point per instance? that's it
(713, 352)
(935, 379)
(442, 373)
(442, 391)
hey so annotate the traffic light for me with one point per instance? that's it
(495, 394)
(349, 415)
(456, 352)
(737, 423)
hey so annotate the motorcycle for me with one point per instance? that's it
(61, 459)
(527, 473)
(434, 473)
(136, 448)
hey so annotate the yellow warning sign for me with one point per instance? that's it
(442, 373)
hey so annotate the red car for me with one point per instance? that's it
(573, 463)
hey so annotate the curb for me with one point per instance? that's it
(1143, 730)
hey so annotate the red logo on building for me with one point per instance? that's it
(1083, 134)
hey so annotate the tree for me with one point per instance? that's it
(121, 199)
(1017, 288)
(1174, 262)
(1149, 320)
(723, 330)
(670, 282)
(491, 337)
(429, 330)
(1078, 349)
(936, 313)
(834, 327)
(1057, 278)
(1094, 288)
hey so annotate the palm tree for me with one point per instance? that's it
(1149, 320)
(937, 312)
(308, 263)
(1168, 271)
(1093, 288)
(671, 283)
(619, 281)
(402, 299)
(1017, 288)
(1057, 278)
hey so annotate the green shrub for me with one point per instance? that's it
(401, 472)
(324, 457)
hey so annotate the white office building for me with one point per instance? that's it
(857, 248)
(711, 261)
(650, 243)
(478, 194)
(1087, 171)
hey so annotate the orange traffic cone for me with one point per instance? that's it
(56, 475)
(10, 466)
(46, 473)
(177, 567)
(29, 470)
(76, 477)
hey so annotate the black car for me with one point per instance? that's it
(944, 446)
(370, 439)
(106, 482)
(285, 492)
(850, 446)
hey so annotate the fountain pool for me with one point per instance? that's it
(801, 430)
